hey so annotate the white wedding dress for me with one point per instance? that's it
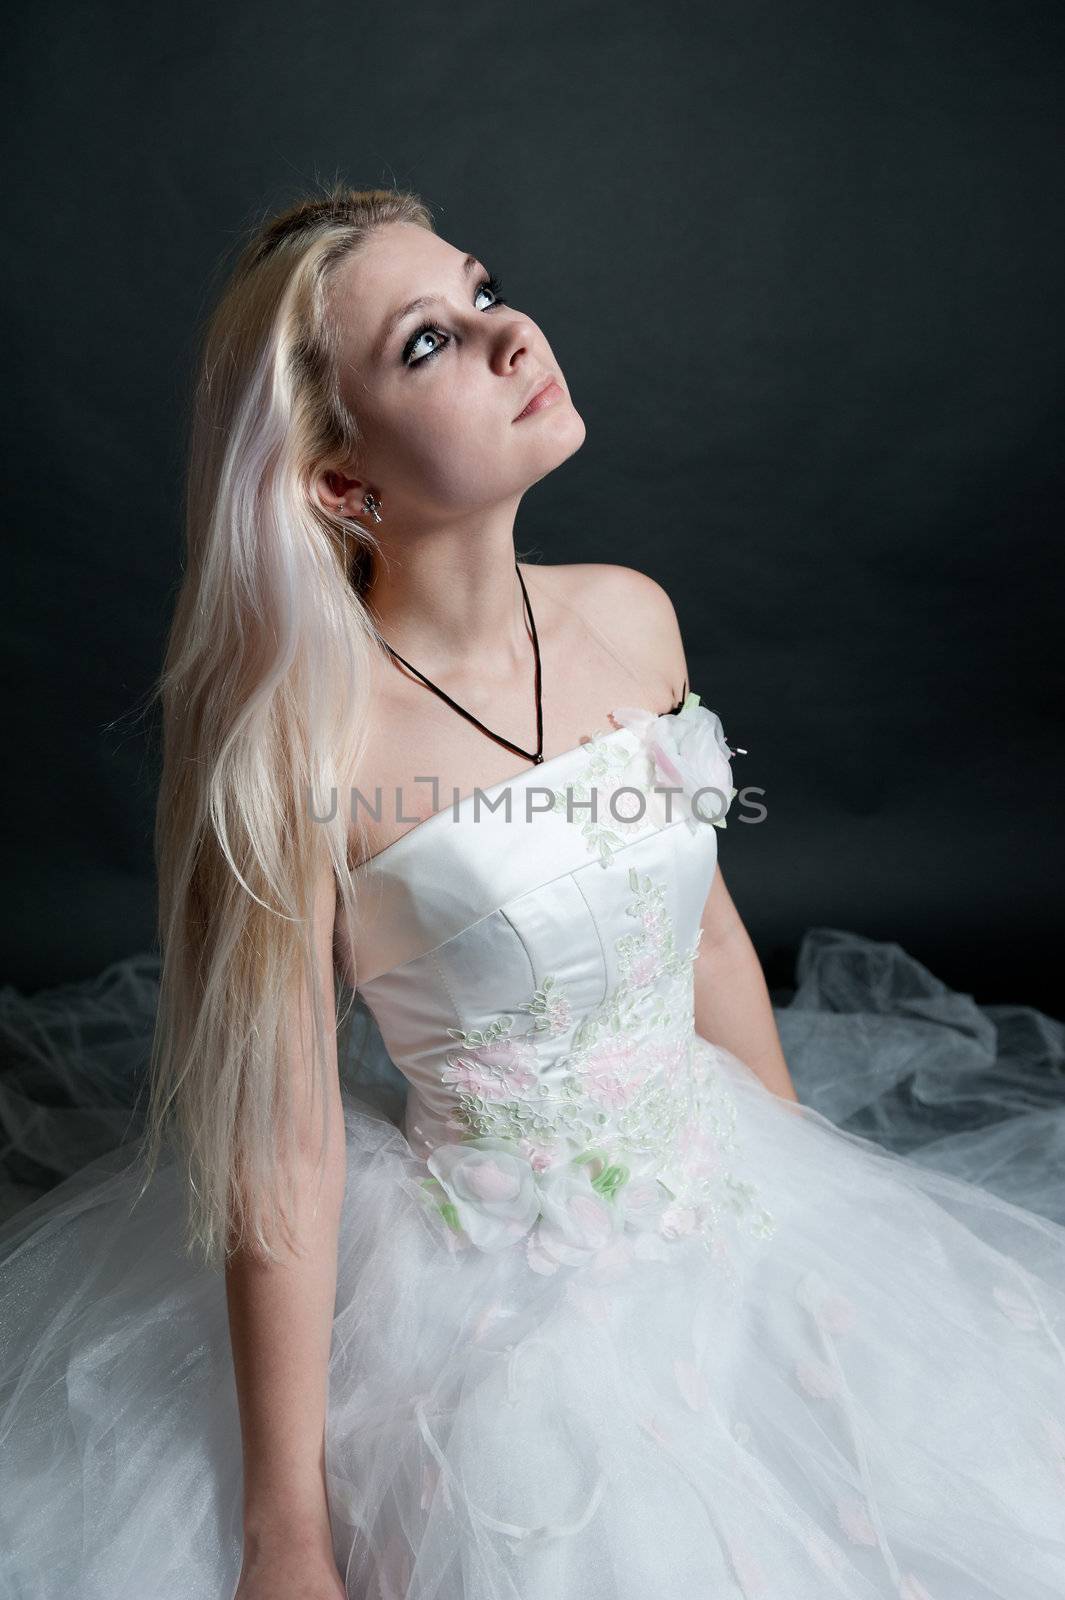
(613, 1321)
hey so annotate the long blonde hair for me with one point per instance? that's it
(264, 693)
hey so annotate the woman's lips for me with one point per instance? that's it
(546, 397)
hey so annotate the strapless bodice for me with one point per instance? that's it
(527, 954)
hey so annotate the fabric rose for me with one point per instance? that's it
(570, 1210)
(579, 1219)
(689, 752)
(644, 1201)
(491, 1190)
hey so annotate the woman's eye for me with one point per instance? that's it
(409, 356)
(490, 285)
(493, 286)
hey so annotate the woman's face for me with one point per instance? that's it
(436, 390)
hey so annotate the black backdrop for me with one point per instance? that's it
(802, 265)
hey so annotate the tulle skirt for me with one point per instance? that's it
(864, 1399)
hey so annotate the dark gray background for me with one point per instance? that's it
(802, 265)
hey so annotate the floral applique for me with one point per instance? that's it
(622, 1129)
(1019, 1302)
(852, 1514)
(587, 801)
(688, 752)
(833, 1312)
(679, 768)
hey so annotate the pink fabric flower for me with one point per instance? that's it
(539, 1156)
(750, 1574)
(576, 1220)
(644, 1201)
(832, 1312)
(836, 1314)
(853, 1516)
(689, 752)
(491, 1188)
(816, 1377)
(677, 1221)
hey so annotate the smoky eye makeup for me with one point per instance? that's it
(490, 284)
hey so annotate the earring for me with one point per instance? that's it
(373, 505)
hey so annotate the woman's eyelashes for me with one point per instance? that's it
(494, 287)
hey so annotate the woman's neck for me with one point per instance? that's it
(450, 604)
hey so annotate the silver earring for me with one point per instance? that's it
(373, 505)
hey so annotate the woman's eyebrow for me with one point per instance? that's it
(413, 305)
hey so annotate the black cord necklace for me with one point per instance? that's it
(498, 737)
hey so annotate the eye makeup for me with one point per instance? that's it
(491, 284)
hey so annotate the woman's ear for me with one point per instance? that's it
(338, 494)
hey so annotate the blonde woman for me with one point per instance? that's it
(607, 1313)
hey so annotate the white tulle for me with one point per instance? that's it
(878, 1409)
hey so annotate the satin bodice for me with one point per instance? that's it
(527, 953)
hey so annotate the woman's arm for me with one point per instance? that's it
(281, 1320)
(732, 1004)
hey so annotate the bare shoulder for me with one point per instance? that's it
(631, 608)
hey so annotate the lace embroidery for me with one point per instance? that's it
(680, 767)
(627, 1126)
(597, 780)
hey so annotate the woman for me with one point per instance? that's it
(610, 1313)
